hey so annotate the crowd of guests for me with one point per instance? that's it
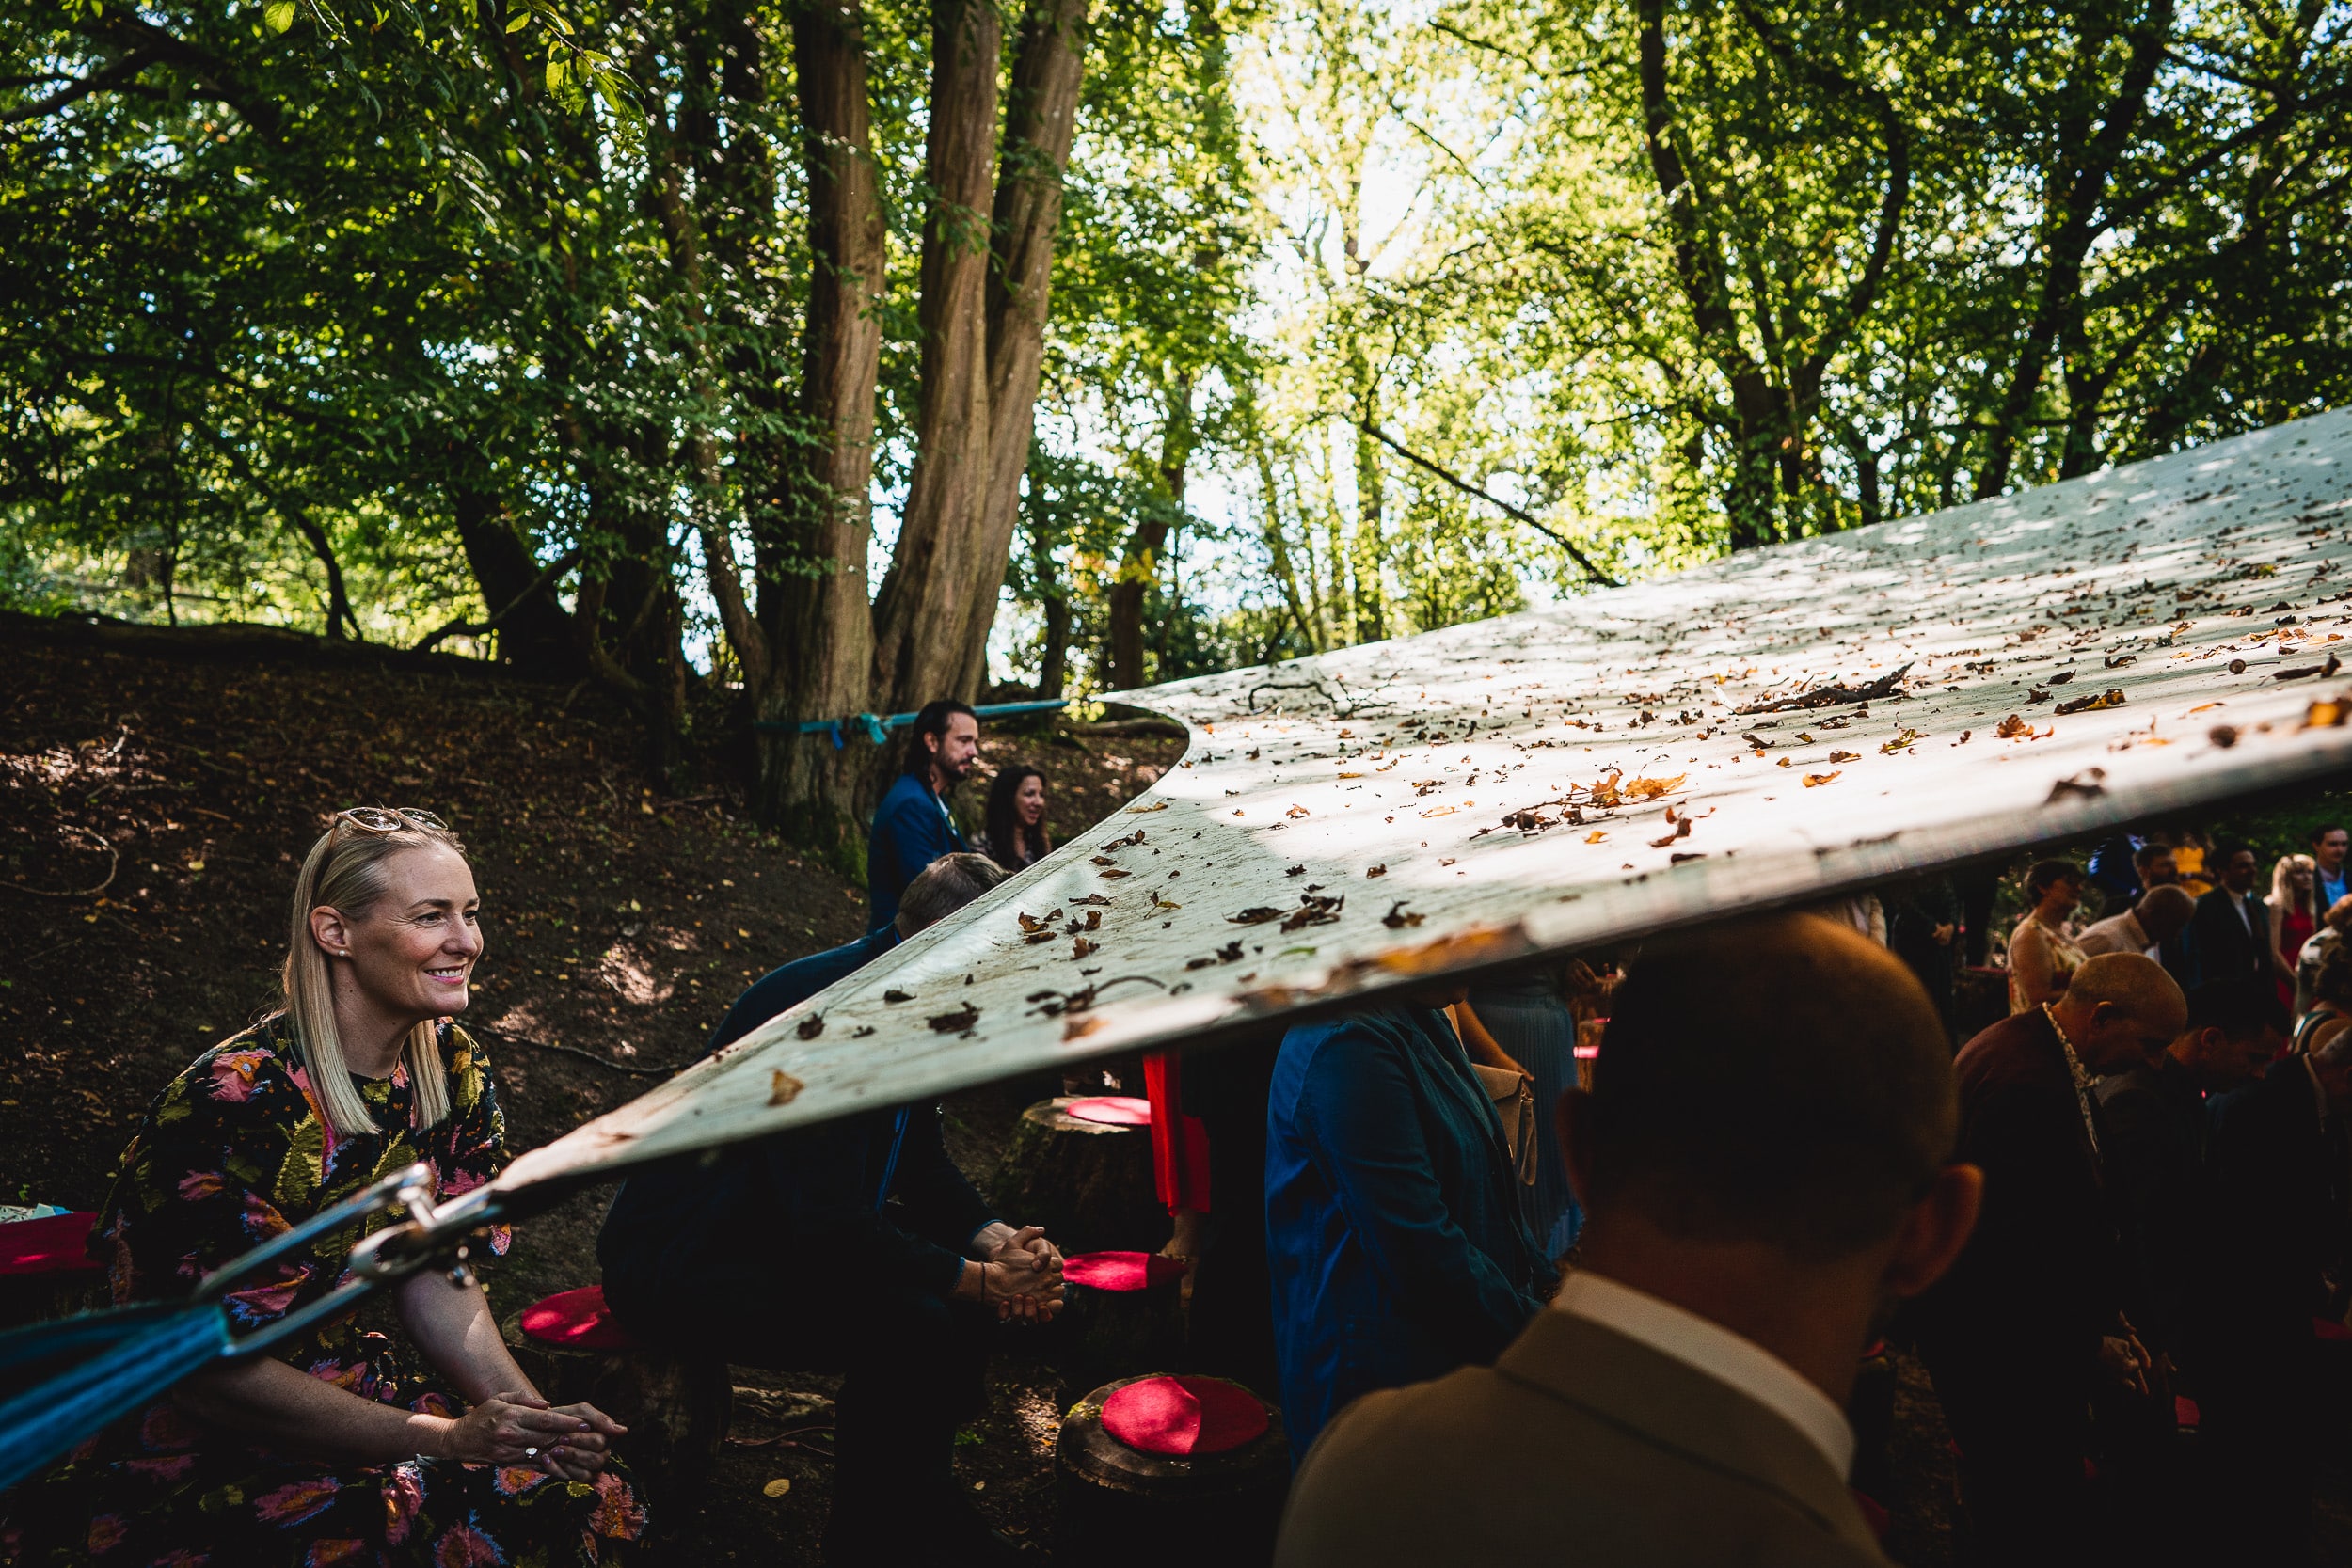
(1512, 1303)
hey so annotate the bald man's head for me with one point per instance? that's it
(2163, 912)
(1784, 1080)
(2119, 1010)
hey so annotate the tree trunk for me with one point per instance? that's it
(819, 628)
(922, 617)
(1041, 116)
(1140, 564)
(534, 637)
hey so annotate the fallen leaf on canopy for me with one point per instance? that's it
(1080, 947)
(2012, 728)
(1397, 919)
(1156, 805)
(1295, 871)
(2065, 675)
(1845, 756)
(1594, 836)
(1093, 898)
(1442, 811)
(1080, 1026)
(811, 1026)
(1907, 738)
(1112, 874)
(1104, 860)
(1813, 781)
(1295, 812)
(2223, 736)
(2328, 713)
(1377, 871)
(1257, 914)
(894, 994)
(2112, 698)
(956, 1021)
(1034, 925)
(1128, 842)
(1313, 912)
(783, 1088)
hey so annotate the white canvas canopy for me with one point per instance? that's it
(1775, 728)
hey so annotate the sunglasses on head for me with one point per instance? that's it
(392, 820)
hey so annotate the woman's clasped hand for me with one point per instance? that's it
(570, 1441)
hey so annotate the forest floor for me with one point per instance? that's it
(154, 809)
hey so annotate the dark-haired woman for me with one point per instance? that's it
(2042, 956)
(404, 1435)
(1016, 819)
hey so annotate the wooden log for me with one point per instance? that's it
(676, 1407)
(1089, 1183)
(1146, 1510)
(1103, 1335)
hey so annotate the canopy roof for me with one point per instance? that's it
(1779, 726)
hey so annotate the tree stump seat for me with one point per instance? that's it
(1122, 1314)
(1196, 1472)
(1088, 1183)
(46, 1270)
(675, 1405)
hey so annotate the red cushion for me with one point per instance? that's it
(2185, 1412)
(1121, 1271)
(54, 1243)
(1184, 1415)
(577, 1320)
(1118, 1110)
(2328, 1328)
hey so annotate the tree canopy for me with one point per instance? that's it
(819, 359)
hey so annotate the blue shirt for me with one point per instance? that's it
(1394, 1232)
(912, 829)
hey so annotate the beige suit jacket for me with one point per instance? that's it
(1580, 1445)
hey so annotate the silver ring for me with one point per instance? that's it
(531, 1453)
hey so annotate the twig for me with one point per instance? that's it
(114, 856)
(1603, 579)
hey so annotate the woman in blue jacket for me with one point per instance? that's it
(1393, 1225)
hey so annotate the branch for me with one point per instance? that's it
(97, 81)
(1595, 573)
(462, 627)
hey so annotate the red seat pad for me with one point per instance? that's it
(1184, 1416)
(577, 1320)
(1116, 1110)
(54, 1243)
(2324, 1328)
(1121, 1271)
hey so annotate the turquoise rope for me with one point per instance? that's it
(877, 726)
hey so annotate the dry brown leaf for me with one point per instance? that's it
(783, 1088)
(1295, 812)
(1845, 756)
(1397, 919)
(1080, 947)
(1257, 914)
(811, 1026)
(956, 1021)
(1649, 790)
(2112, 698)
(1156, 805)
(1594, 836)
(1814, 781)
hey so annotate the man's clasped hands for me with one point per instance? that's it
(1016, 1271)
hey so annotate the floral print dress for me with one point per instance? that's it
(231, 1153)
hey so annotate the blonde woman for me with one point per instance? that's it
(415, 1439)
(2294, 918)
(2042, 956)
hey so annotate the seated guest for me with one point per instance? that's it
(2279, 1182)
(2031, 1317)
(1016, 819)
(787, 1251)
(2325, 940)
(2153, 1118)
(343, 1442)
(1763, 1158)
(1393, 1214)
(912, 827)
(2229, 936)
(2042, 951)
(2161, 915)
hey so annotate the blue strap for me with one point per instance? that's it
(142, 1354)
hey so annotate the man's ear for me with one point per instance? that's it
(1935, 1229)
